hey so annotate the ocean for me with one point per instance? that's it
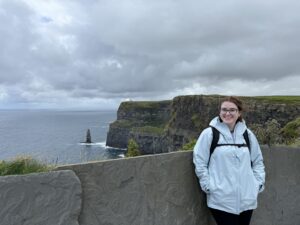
(55, 137)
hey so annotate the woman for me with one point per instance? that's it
(233, 175)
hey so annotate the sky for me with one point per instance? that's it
(70, 54)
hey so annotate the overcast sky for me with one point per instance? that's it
(94, 54)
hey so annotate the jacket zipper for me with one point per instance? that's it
(238, 198)
(238, 206)
(239, 189)
(238, 185)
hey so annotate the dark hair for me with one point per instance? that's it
(235, 101)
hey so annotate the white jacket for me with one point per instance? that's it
(230, 182)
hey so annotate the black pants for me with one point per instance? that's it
(225, 218)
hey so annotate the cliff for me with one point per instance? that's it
(165, 126)
(143, 121)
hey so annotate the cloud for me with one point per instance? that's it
(57, 53)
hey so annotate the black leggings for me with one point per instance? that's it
(225, 218)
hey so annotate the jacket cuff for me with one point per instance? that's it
(206, 190)
(261, 188)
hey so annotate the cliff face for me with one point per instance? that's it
(165, 126)
(144, 122)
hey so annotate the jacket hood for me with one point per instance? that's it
(239, 128)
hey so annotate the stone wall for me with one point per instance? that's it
(40, 199)
(279, 203)
(148, 190)
(157, 189)
(163, 190)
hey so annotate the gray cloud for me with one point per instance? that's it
(58, 53)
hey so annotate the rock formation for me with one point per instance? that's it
(142, 121)
(88, 137)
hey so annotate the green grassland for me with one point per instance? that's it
(149, 130)
(23, 165)
(144, 105)
(277, 99)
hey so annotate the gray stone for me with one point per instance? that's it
(52, 198)
(157, 189)
(279, 203)
(163, 190)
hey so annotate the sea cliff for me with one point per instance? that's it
(144, 121)
(165, 126)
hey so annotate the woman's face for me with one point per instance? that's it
(229, 113)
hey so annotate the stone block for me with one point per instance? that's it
(52, 198)
(147, 190)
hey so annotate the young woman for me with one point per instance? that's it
(233, 175)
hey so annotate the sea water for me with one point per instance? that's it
(56, 137)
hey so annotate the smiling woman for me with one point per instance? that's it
(233, 174)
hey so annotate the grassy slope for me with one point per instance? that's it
(22, 165)
(277, 99)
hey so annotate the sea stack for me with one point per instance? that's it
(88, 137)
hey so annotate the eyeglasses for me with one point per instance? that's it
(231, 111)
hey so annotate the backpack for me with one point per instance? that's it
(215, 140)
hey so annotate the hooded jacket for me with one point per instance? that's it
(230, 181)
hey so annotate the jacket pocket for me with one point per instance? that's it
(251, 190)
(211, 184)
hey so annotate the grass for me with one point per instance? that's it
(291, 130)
(142, 105)
(149, 129)
(279, 99)
(283, 99)
(296, 144)
(123, 124)
(190, 145)
(23, 165)
(154, 126)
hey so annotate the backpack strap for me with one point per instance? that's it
(237, 145)
(246, 137)
(214, 142)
